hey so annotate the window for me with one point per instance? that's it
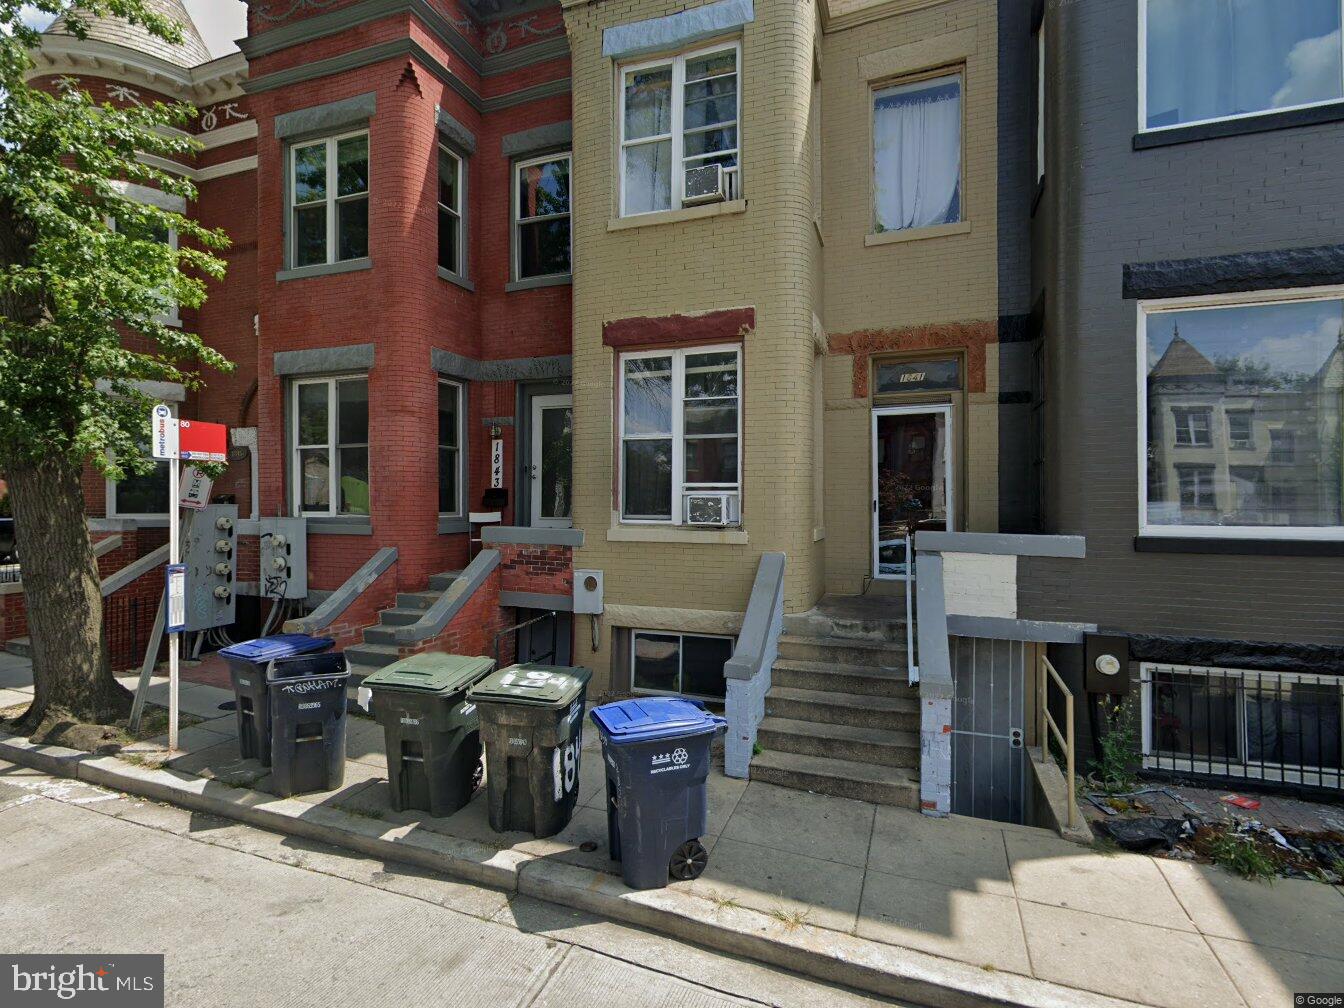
(1204, 60)
(679, 433)
(1196, 485)
(170, 315)
(677, 115)
(452, 236)
(917, 153)
(541, 218)
(1192, 427)
(450, 448)
(1040, 101)
(1282, 446)
(1278, 726)
(1240, 432)
(681, 664)
(331, 446)
(329, 194)
(1272, 362)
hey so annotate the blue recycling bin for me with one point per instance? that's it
(308, 721)
(248, 662)
(656, 751)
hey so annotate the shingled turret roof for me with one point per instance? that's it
(190, 52)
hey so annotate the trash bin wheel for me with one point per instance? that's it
(689, 861)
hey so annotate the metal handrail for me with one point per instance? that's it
(553, 616)
(1047, 722)
(911, 655)
(138, 567)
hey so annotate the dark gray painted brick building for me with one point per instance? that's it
(1213, 208)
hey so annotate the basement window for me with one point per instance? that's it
(673, 664)
(1274, 726)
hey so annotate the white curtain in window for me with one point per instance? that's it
(917, 154)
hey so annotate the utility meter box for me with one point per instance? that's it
(588, 592)
(1107, 663)
(283, 549)
(210, 553)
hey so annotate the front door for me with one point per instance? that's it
(912, 480)
(552, 480)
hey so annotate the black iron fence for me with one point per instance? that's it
(10, 573)
(124, 630)
(1277, 727)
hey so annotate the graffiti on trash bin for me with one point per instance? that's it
(310, 685)
(565, 768)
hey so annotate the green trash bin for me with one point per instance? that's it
(532, 727)
(430, 730)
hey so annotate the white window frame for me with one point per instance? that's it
(518, 221)
(331, 200)
(1226, 767)
(456, 211)
(295, 449)
(1183, 420)
(461, 449)
(1238, 300)
(676, 135)
(1143, 85)
(139, 516)
(681, 636)
(678, 435)
(1236, 443)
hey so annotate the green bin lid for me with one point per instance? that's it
(430, 672)
(543, 685)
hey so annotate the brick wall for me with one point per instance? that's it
(545, 569)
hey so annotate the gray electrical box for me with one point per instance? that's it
(283, 547)
(210, 553)
(588, 592)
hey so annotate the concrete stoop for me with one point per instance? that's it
(833, 956)
(21, 647)
(379, 648)
(840, 716)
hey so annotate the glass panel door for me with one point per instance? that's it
(552, 479)
(912, 480)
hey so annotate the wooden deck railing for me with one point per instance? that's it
(1046, 675)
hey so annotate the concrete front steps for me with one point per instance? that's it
(20, 646)
(379, 648)
(841, 718)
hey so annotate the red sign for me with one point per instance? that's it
(203, 442)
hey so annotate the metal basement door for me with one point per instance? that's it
(989, 758)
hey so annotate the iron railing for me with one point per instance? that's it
(911, 611)
(123, 630)
(1049, 728)
(1279, 727)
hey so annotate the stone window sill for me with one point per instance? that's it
(677, 534)
(677, 216)
(918, 234)
(324, 269)
(453, 278)
(532, 283)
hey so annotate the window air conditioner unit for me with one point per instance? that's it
(711, 509)
(704, 185)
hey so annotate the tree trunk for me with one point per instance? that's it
(71, 674)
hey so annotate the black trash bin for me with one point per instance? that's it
(532, 726)
(656, 752)
(247, 668)
(431, 731)
(308, 719)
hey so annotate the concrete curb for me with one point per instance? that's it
(832, 956)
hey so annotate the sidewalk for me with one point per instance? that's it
(1005, 900)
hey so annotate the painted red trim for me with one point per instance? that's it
(726, 325)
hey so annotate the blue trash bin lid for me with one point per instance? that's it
(647, 718)
(266, 649)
